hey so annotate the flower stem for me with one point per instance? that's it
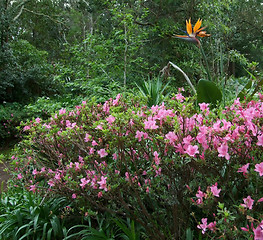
(186, 77)
(206, 63)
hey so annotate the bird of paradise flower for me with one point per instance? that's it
(193, 32)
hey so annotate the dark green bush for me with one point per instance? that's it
(11, 114)
(25, 72)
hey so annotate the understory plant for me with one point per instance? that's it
(107, 227)
(24, 215)
(153, 90)
(169, 168)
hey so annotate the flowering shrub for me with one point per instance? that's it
(169, 167)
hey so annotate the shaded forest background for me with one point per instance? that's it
(57, 53)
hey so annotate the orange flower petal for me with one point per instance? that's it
(203, 34)
(197, 25)
(189, 27)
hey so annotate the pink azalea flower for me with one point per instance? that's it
(99, 127)
(110, 119)
(77, 166)
(26, 128)
(57, 176)
(84, 182)
(260, 200)
(51, 183)
(139, 135)
(147, 189)
(102, 153)
(103, 183)
(91, 151)
(243, 169)
(204, 106)
(215, 190)
(192, 150)
(94, 143)
(237, 102)
(114, 156)
(115, 102)
(156, 158)
(245, 229)
(74, 196)
(201, 138)
(87, 137)
(203, 226)
(106, 107)
(81, 160)
(187, 140)
(226, 125)
(212, 226)
(216, 126)
(179, 97)
(258, 232)
(19, 176)
(200, 194)
(259, 168)
(223, 151)
(38, 120)
(100, 194)
(127, 177)
(62, 111)
(32, 188)
(150, 124)
(171, 136)
(248, 202)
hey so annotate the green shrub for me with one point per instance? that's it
(11, 114)
(26, 73)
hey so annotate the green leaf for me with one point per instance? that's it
(245, 90)
(189, 234)
(208, 92)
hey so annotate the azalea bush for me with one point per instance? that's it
(170, 168)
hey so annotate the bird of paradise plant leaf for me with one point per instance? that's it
(193, 32)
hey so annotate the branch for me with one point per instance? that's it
(185, 76)
(20, 12)
(44, 15)
(144, 24)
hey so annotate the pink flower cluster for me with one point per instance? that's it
(258, 168)
(204, 226)
(203, 195)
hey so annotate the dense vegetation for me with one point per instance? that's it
(113, 140)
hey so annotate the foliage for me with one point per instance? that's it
(25, 72)
(108, 227)
(25, 215)
(208, 92)
(11, 114)
(148, 163)
(153, 91)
